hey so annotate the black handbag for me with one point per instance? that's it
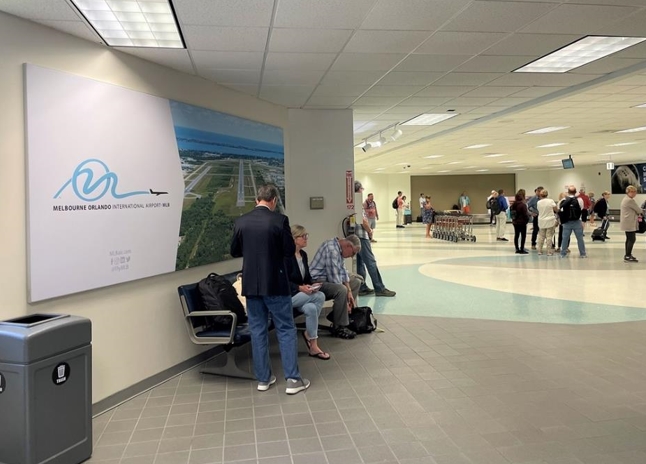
(641, 225)
(362, 320)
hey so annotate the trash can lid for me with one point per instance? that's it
(39, 336)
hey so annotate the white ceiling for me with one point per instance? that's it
(390, 60)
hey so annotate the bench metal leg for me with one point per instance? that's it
(230, 368)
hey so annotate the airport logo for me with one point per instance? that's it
(92, 180)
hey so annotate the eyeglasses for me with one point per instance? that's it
(305, 236)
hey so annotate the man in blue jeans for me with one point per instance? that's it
(263, 239)
(570, 217)
(365, 257)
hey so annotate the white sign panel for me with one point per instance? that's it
(105, 185)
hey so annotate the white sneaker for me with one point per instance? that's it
(264, 386)
(296, 385)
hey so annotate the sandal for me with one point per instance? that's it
(320, 355)
(307, 341)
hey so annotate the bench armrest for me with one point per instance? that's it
(233, 315)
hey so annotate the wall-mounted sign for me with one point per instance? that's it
(61, 374)
(349, 189)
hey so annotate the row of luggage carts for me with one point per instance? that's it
(453, 226)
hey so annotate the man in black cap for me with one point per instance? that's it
(533, 211)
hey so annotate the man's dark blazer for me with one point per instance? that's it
(295, 277)
(263, 239)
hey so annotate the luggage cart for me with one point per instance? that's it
(453, 226)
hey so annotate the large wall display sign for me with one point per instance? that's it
(123, 185)
(628, 174)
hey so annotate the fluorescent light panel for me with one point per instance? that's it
(433, 156)
(622, 144)
(545, 130)
(643, 105)
(133, 23)
(428, 119)
(481, 145)
(494, 155)
(634, 129)
(555, 154)
(611, 153)
(551, 145)
(581, 52)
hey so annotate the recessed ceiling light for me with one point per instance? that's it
(456, 162)
(482, 170)
(428, 119)
(550, 145)
(611, 153)
(494, 155)
(635, 129)
(623, 144)
(380, 169)
(508, 161)
(402, 164)
(133, 23)
(433, 156)
(581, 52)
(482, 145)
(446, 170)
(516, 166)
(520, 169)
(545, 130)
(555, 154)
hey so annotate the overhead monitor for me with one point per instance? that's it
(568, 163)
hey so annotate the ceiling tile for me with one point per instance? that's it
(293, 96)
(633, 26)
(231, 13)
(492, 16)
(305, 61)
(334, 14)
(227, 60)
(495, 63)
(54, 10)
(459, 43)
(578, 19)
(606, 65)
(431, 63)
(493, 91)
(409, 78)
(540, 79)
(249, 89)
(232, 76)
(393, 90)
(330, 101)
(351, 77)
(444, 91)
(308, 40)
(288, 77)
(341, 90)
(531, 44)
(385, 41)
(378, 101)
(367, 61)
(172, 58)
(459, 78)
(536, 91)
(226, 39)
(412, 15)
(471, 101)
(427, 102)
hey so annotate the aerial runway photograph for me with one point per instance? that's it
(224, 158)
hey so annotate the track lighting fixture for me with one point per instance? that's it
(396, 134)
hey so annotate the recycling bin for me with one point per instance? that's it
(45, 389)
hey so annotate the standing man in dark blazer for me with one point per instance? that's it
(264, 240)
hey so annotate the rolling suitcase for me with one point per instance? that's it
(600, 233)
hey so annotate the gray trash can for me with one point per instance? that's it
(45, 389)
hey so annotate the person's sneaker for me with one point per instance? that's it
(523, 252)
(386, 292)
(264, 386)
(296, 385)
(583, 256)
(504, 239)
(343, 332)
(533, 247)
(366, 291)
(540, 253)
(630, 259)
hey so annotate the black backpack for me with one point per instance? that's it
(362, 320)
(570, 210)
(218, 294)
(395, 203)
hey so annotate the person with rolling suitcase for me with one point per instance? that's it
(601, 210)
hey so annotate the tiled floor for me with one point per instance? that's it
(487, 385)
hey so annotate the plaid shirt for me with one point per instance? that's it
(327, 264)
